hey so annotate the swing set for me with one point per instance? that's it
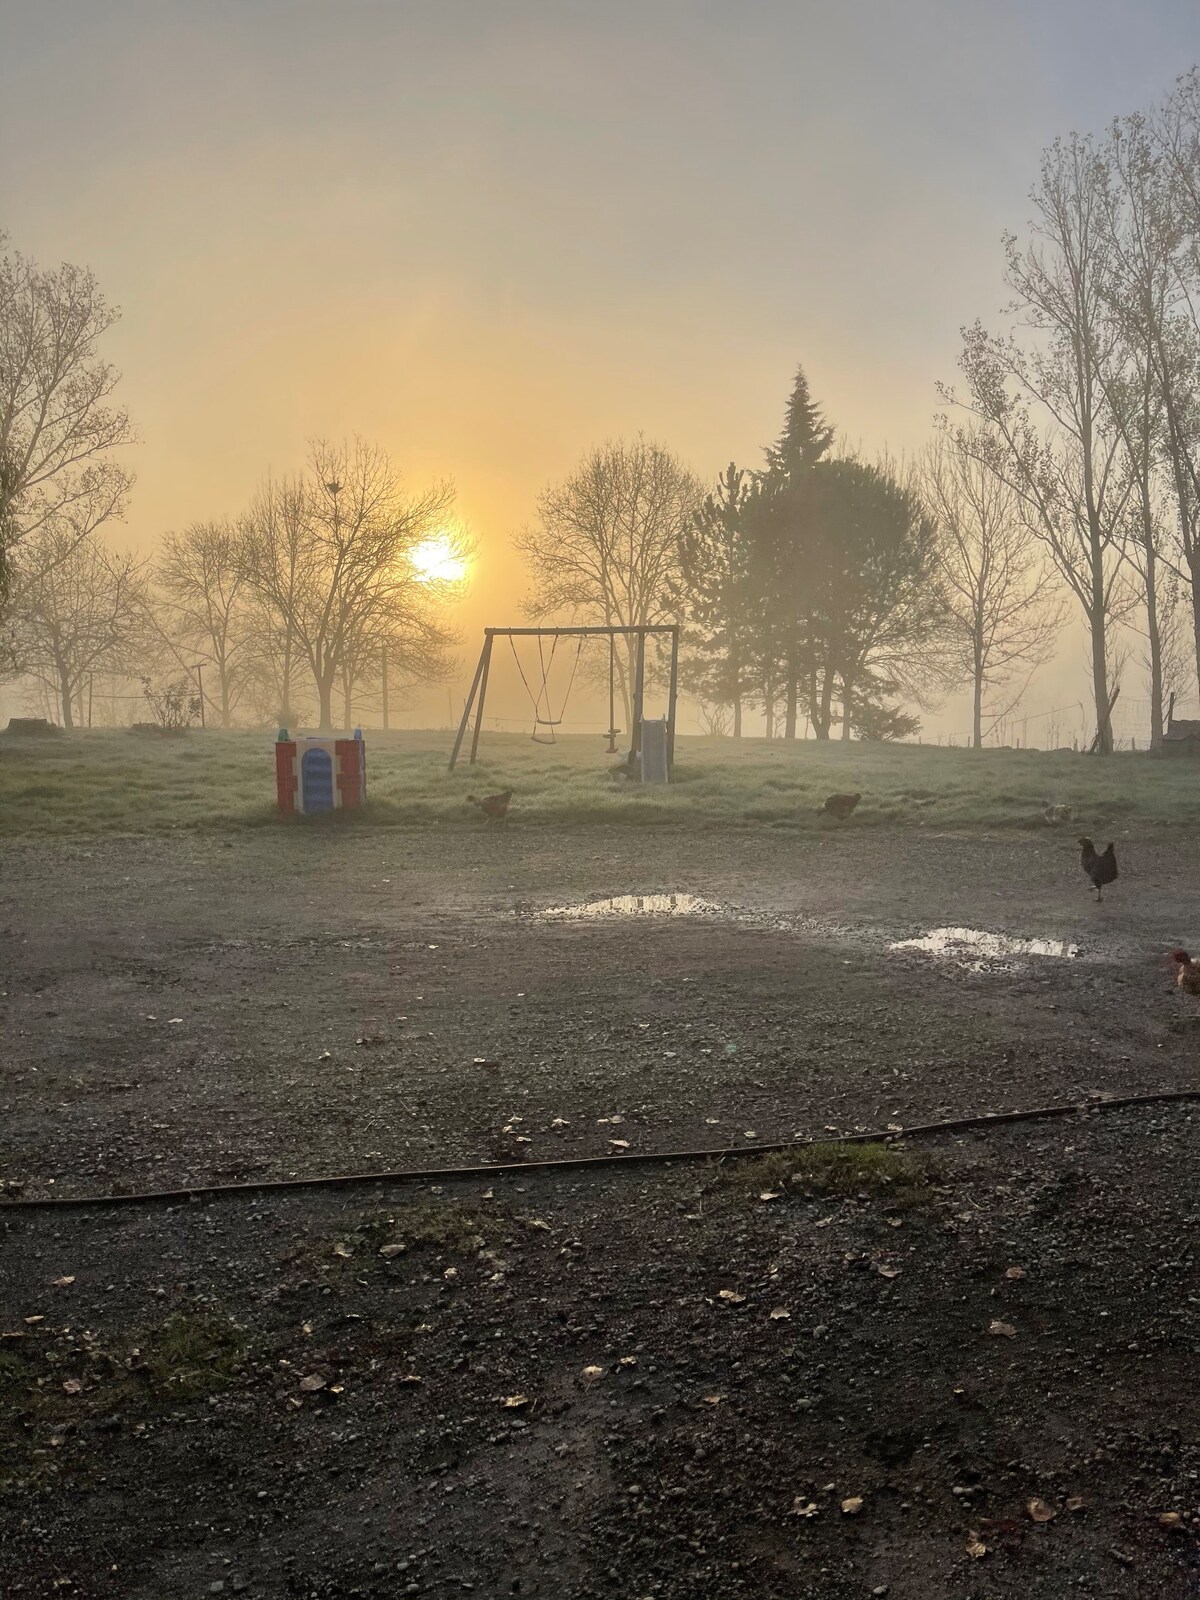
(547, 719)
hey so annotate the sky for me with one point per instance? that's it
(487, 234)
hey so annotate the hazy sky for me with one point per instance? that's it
(486, 233)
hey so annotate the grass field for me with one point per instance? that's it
(120, 782)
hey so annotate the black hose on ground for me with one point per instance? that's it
(623, 1158)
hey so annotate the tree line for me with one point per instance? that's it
(314, 595)
(1063, 476)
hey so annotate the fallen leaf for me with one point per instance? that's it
(1075, 1502)
(337, 1388)
(627, 1361)
(804, 1508)
(1014, 1273)
(976, 1547)
(593, 1373)
(713, 1399)
(513, 1402)
(771, 1194)
(1039, 1511)
(749, 1134)
(312, 1383)
(852, 1506)
(388, 1251)
(1003, 1330)
(73, 1386)
(619, 1144)
(886, 1270)
(732, 1295)
(62, 1283)
(341, 1248)
(409, 1377)
(536, 1222)
(1169, 1519)
(38, 1318)
(781, 1314)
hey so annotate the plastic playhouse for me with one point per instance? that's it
(320, 773)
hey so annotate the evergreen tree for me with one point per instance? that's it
(806, 438)
(778, 543)
(713, 575)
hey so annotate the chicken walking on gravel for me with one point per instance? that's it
(1187, 972)
(493, 806)
(1101, 869)
(841, 806)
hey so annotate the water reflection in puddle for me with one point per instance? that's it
(634, 905)
(978, 950)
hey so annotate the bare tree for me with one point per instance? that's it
(202, 579)
(58, 428)
(77, 608)
(1053, 434)
(997, 579)
(329, 555)
(605, 548)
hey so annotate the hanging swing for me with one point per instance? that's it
(544, 722)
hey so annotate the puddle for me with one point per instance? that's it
(634, 905)
(979, 951)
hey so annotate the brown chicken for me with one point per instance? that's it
(841, 806)
(493, 806)
(1101, 869)
(1187, 972)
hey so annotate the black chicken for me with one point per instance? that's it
(1101, 869)
(841, 806)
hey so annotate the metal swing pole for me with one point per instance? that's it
(466, 716)
(485, 666)
(612, 694)
(639, 693)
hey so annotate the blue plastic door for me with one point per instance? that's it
(316, 776)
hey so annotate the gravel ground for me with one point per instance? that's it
(246, 1392)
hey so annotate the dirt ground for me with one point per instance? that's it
(268, 1405)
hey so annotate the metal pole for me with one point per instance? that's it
(612, 695)
(639, 690)
(485, 664)
(466, 716)
(385, 688)
(673, 693)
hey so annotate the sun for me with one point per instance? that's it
(437, 560)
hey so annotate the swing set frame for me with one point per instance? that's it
(478, 692)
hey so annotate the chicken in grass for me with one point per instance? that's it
(1187, 972)
(841, 806)
(1100, 868)
(493, 806)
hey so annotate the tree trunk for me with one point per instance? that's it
(347, 693)
(1154, 637)
(1194, 574)
(845, 713)
(226, 712)
(822, 709)
(325, 703)
(1104, 737)
(66, 698)
(789, 725)
(735, 673)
